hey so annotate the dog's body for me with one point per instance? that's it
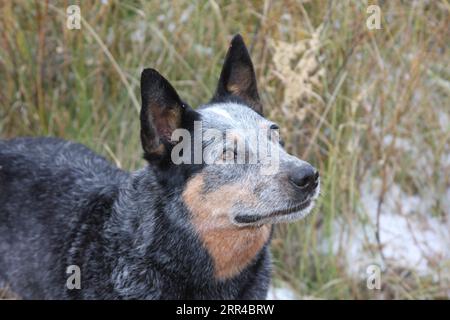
(168, 231)
(65, 205)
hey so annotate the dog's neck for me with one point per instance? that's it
(155, 234)
(149, 237)
(232, 248)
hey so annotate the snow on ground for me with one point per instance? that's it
(410, 236)
(281, 293)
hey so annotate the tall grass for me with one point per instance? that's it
(344, 95)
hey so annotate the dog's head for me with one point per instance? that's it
(226, 156)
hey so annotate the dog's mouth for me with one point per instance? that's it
(273, 215)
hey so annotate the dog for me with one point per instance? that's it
(194, 230)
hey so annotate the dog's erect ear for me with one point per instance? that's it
(161, 113)
(238, 76)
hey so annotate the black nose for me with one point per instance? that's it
(305, 177)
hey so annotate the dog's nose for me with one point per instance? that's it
(306, 177)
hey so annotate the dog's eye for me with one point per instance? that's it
(274, 127)
(229, 155)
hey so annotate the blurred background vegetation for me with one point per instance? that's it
(369, 108)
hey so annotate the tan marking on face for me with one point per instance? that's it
(231, 247)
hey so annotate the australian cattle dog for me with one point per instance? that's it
(194, 223)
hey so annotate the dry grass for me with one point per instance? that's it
(348, 99)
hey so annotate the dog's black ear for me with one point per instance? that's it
(238, 76)
(162, 112)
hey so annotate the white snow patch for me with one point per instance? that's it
(410, 236)
(281, 293)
